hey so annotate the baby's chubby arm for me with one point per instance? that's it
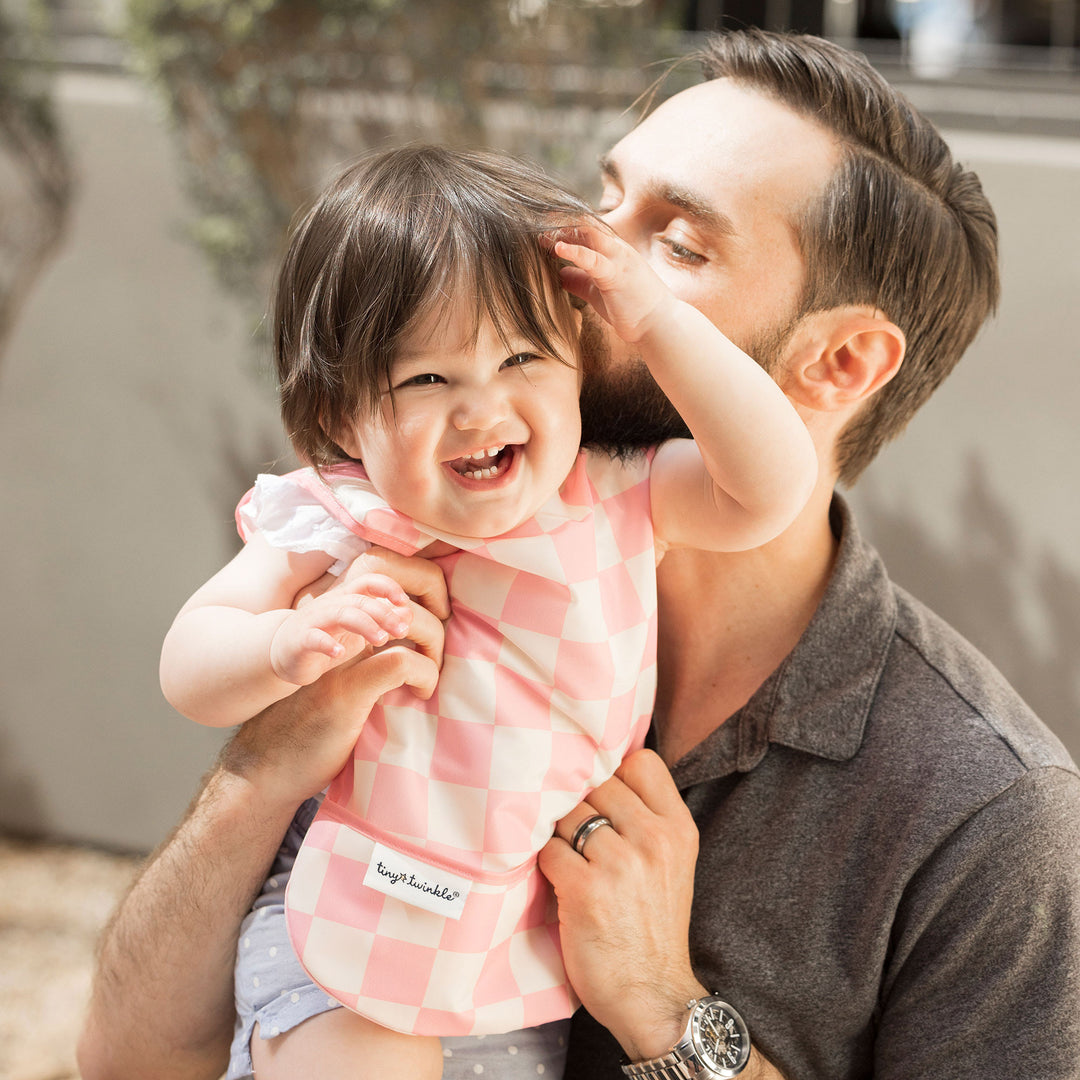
(238, 646)
(752, 465)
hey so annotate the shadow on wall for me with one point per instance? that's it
(22, 810)
(1023, 612)
(229, 457)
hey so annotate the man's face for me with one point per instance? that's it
(707, 188)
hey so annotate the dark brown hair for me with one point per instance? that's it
(397, 236)
(900, 226)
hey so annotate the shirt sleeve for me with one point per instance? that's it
(288, 516)
(984, 975)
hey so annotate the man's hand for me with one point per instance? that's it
(293, 749)
(624, 906)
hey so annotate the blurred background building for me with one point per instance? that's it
(151, 155)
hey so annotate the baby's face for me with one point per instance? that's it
(471, 437)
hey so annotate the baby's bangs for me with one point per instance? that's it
(515, 285)
(530, 304)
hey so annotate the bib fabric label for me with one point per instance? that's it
(414, 882)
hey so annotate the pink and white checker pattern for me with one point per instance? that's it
(547, 683)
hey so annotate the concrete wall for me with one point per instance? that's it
(127, 390)
(132, 414)
(976, 508)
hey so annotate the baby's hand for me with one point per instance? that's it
(613, 278)
(368, 611)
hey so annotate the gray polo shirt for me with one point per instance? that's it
(889, 877)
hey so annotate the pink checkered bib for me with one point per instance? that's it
(416, 899)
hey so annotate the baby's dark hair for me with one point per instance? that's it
(398, 236)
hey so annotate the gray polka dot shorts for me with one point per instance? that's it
(273, 991)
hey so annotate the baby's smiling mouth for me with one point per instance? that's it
(483, 464)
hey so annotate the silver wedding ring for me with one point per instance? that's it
(586, 829)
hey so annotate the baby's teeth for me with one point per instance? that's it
(491, 451)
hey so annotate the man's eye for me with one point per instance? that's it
(681, 253)
(427, 379)
(609, 199)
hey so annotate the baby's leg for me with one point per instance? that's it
(340, 1045)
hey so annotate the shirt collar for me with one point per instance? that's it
(819, 699)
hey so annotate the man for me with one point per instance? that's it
(887, 881)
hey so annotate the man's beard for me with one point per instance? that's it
(623, 411)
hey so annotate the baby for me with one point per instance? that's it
(426, 341)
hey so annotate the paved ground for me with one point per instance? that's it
(53, 902)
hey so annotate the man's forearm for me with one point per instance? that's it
(162, 1002)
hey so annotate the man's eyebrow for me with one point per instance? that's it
(608, 167)
(691, 204)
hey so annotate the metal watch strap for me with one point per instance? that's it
(669, 1067)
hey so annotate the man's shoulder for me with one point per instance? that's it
(965, 777)
(952, 734)
(936, 674)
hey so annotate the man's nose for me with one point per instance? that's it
(621, 222)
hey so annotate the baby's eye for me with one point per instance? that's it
(429, 378)
(518, 359)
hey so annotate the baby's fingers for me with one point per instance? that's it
(578, 283)
(373, 618)
(418, 577)
(586, 236)
(377, 585)
(589, 260)
(319, 641)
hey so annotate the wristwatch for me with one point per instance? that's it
(714, 1046)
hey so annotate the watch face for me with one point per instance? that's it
(720, 1038)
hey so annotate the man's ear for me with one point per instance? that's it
(837, 359)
